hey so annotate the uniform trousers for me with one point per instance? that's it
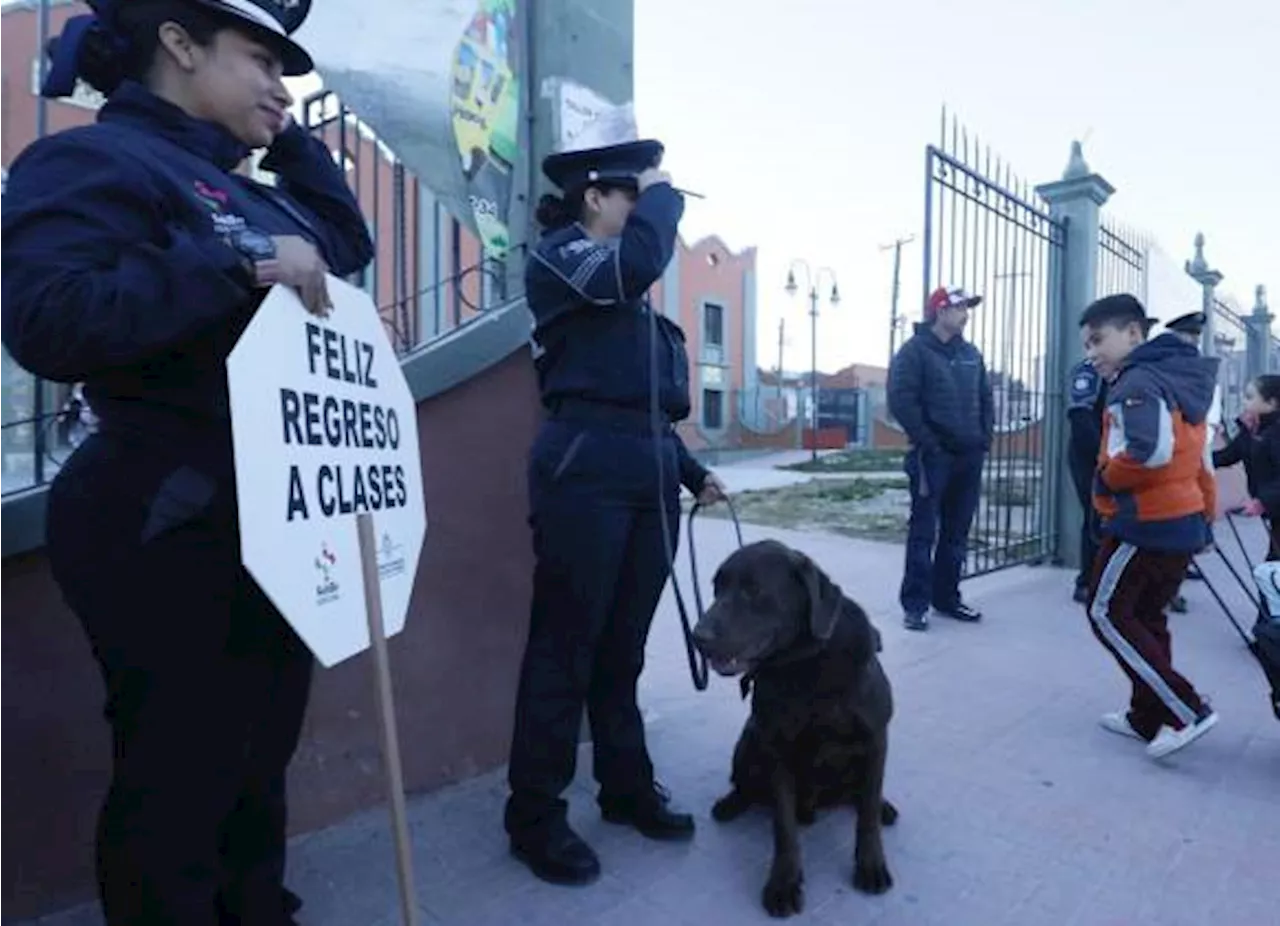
(600, 567)
(206, 688)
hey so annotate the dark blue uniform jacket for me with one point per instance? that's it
(1087, 399)
(940, 394)
(593, 322)
(116, 272)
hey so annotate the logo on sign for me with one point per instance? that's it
(327, 587)
(390, 559)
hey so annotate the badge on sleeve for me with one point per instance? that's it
(1085, 383)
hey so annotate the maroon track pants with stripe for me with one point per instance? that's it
(1126, 612)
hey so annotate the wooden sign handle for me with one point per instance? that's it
(387, 716)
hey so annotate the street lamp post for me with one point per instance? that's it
(812, 281)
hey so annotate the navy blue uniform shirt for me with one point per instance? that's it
(116, 270)
(593, 321)
(1084, 412)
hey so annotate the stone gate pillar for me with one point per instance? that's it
(1076, 202)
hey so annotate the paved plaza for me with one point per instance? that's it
(1017, 810)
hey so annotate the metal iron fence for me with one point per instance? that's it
(429, 275)
(40, 429)
(1122, 262)
(986, 230)
(1230, 346)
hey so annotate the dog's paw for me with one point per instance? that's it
(784, 891)
(729, 807)
(871, 873)
(888, 814)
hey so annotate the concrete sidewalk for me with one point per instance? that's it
(1017, 810)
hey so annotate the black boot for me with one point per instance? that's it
(650, 813)
(558, 856)
(960, 612)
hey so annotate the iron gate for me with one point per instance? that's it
(987, 231)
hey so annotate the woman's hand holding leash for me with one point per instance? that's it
(712, 490)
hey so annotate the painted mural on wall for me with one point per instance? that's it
(440, 83)
(486, 115)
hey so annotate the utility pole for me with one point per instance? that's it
(897, 275)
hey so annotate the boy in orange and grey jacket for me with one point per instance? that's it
(1156, 499)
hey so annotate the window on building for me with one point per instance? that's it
(713, 325)
(712, 409)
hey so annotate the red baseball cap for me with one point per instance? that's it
(949, 297)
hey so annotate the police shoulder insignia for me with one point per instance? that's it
(577, 246)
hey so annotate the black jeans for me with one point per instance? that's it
(945, 488)
(601, 564)
(206, 688)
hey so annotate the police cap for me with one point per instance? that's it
(1192, 323)
(270, 21)
(611, 164)
(273, 21)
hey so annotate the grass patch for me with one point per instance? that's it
(851, 461)
(870, 508)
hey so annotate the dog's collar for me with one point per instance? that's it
(795, 654)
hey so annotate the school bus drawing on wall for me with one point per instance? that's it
(486, 110)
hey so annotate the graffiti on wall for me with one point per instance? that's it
(486, 115)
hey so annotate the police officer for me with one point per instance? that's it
(1190, 328)
(605, 472)
(1084, 416)
(133, 258)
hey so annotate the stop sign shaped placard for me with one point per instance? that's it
(325, 429)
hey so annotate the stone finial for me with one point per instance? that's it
(1260, 298)
(1076, 166)
(1197, 264)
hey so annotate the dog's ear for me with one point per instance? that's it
(825, 597)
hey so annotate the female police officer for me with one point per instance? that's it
(604, 479)
(133, 259)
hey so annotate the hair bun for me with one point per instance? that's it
(553, 212)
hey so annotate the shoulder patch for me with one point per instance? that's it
(1085, 386)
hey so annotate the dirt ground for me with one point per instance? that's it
(874, 508)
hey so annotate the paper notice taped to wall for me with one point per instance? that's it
(589, 120)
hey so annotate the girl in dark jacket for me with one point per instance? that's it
(1256, 444)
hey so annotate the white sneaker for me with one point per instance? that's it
(1169, 740)
(1118, 722)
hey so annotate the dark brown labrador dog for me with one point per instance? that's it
(820, 708)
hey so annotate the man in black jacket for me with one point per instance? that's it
(940, 394)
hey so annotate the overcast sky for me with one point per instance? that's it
(805, 124)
